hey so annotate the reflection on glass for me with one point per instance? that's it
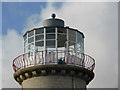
(82, 47)
(80, 43)
(39, 37)
(50, 36)
(30, 33)
(72, 38)
(72, 32)
(40, 43)
(78, 47)
(31, 47)
(50, 30)
(39, 31)
(62, 30)
(72, 46)
(30, 39)
(50, 43)
(25, 43)
(72, 35)
(26, 49)
(62, 40)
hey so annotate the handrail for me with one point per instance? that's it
(53, 57)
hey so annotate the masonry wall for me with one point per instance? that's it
(54, 81)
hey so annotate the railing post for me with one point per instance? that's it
(44, 45)
(67, 46)
(23, 60)
(83, 57)
(42, 58)
(45, 52)
(34, 58)
(56, 45)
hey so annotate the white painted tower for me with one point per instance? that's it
(53, 58)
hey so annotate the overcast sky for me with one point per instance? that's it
(97, 20)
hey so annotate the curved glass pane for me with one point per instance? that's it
(62, 40)
(26, 49)
(39, 31)
(25, 37)
(39, 37)
(31, 33)
(72, 38)
(50, 30)
(30, 39)
(72, 32)
(25, 43)
(62, 30)
(72, 46)
(50, 36)
(50, 43)
(40, 43)
(72, 35)
(39, 46)
(31, 47)
(80, 43)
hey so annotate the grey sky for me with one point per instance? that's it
(99, 23)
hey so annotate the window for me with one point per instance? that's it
(31, 33)
(26, 49)
(50, 43)
(39, 37)
(78, 47)
(72, 46)
(62, 30)
(31, 47)
(80, 43)
(50, 30)
(40, 43)
(72, 38)
(30, 39)
(25, 43)
(50, 36)
(72, 35)
(72, 32)
(62, 40)
(25, 37)
(39, 31)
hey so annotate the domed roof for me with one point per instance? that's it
(53, 22)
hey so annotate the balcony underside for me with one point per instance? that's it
(58, 69)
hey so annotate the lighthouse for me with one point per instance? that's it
(53, 58)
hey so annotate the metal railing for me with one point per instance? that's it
(53, 57)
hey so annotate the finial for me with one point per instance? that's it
(53, 15)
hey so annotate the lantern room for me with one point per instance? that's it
(53, 36)
(54, 43)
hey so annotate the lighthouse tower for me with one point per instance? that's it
(53, 58)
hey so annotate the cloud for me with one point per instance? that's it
(12, 47)
(98, 21)
(33, 21)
